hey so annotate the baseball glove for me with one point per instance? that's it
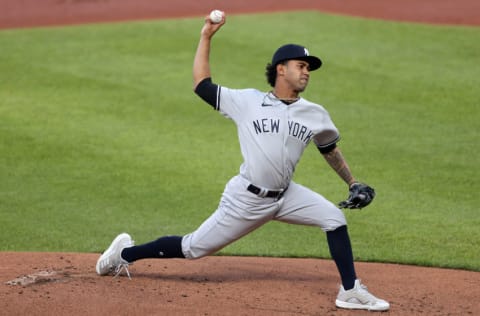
(360, 195)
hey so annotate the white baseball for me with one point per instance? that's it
(216, 16)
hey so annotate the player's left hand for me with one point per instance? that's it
(360, 195)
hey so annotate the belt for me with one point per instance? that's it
(266, 193)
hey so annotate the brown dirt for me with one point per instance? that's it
(28, 13)
(66, 283)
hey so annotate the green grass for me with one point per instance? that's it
(100, 133)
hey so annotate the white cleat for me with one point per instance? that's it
(360, 298)
(111, 260)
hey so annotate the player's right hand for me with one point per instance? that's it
(210, 28)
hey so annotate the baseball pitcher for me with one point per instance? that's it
(274, 129)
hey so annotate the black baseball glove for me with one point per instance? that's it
(360, 196)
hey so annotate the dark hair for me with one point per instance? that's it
(271, 73)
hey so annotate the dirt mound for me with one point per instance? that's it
(66, 284)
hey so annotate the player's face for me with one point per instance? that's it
(297, 73)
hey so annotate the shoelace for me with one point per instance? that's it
(120, 268)
(364, 290)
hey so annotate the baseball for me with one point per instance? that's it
(216, 16)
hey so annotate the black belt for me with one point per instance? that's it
(266, 193)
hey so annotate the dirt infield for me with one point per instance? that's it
(27, 13)
(66, 283)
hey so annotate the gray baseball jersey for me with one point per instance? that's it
(272, 137)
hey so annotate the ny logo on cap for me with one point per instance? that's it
(306, 52)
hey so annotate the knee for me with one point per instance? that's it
(335, 223)
(192, 251)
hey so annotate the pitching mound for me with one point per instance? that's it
(66, 284)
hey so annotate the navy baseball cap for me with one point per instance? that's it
(293, 51)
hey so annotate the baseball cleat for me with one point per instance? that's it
(360, 298)
(111, 260)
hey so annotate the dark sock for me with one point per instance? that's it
(164, 247)
(341, 252)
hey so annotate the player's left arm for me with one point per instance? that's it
(326, 142)
(335, 159)
(360, 194)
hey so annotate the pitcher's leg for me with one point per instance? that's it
(225, 226)
(164, 247)
(302, 206)
(239, 213)
(306, 207)
(341, 252)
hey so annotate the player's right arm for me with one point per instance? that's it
(201, 62)
(202, 81)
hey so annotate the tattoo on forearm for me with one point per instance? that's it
(337, 162)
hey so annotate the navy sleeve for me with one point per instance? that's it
(209, 92)
(326, 149)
